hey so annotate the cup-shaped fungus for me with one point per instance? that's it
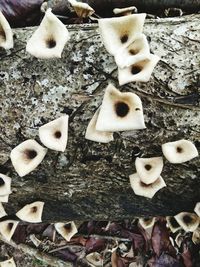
(4, 198)
(172, 224)
(121, 31)
(179, 151)
(2, 211)
(7, 228)
(32, 212)
(6, 35)
(135, 52)
(125, 11)
(95, 259)
(95, 135)
(120, 111)
(138, 72)
(196, 236)
(54, 134)
(149, 169)
(197, 209)
(27, 156)
(142, 189)
(49, 39)
(147, 222)
(83, 10)
(188, 221)
(66, 230)
(8, 263)
(5, 185)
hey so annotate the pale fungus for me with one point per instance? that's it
(8, 263)
(4, 198)
(6, 34)
(147, 222)
(197, 209)
(5, 185)
(2, 211)
(95, 259)
(7, 228)
(173, 224)
(83, 10)
(125, 11)
(32, 212)
(66, 230)
(188, 221)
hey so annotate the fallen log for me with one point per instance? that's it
(91, 180)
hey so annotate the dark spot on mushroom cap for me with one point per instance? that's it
(148, 167)
(30, 153)
(179, 149)
(187, 219)
(10, 226)
(57, 134)
(121, 109)
(1, 182)
(173, 222)
(51, 43)
(144, 185)
(133, 51)
(34, 209)
(2, 34)
(124, 38)
(137, 109)
(135, 69)
(147, 219)
(67, 227)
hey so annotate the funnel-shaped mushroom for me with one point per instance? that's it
(66, 230)
(97, 136)
(172, 224)
(120, 111)
(196, 236)
(54, 134)
(147, 222)
(27, 156)
(5, 185)
(142, 189)
(49, 39)
(125, 11)
(8, 263)
(6, 35)
(4, 198)
(179, 151)
(83, 10)
(95, 259)
(149, 169)
(197, 209)
(7, 228)
(2, 211)
(135, 52)
(32, 212)
(120, 32)
(139, 72)
(188, 221)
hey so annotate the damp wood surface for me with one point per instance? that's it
(91, 180)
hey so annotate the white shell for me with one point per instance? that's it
(6, 34)
(66, 232)
(139, 72)
(5, 188)
(95, 259)
(8, 263)
(147, 223)
(121, 31)
(197, 209)
(179, 151)
(7, 228)
(146, 190)
(47, 133)
(125, 10)
(190, 226)
(83, 10)
(4, 198)
(171, 226)
(22, 162)
(97, 136)
(49, 39)
(120, 111)
(149, 169)
(137, 51)
(32, 212)
(2, 211)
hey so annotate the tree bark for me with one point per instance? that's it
(91, 180)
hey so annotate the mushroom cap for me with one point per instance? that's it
(149, 169)
(140, 71)
(121, 31)
(188, 221)
(196, 236)
(32, 212)
(95, 135)
(120, 111)
(27, 156)
(197, 209)
(8, 263)
(95, 259)
(125, 10)
(66, 230)
(4, 198)
(6, 34)
(54, 134)
(179, 151)
(142, 189)
(49, 39)
(147, 222)
(2, 211)
(172, 224)
(135, 52)
(83, 10)
(7, 228)
(5, 185)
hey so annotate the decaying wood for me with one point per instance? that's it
(91, 180)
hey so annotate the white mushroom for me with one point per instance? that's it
(5, 185)
(54, 134)
(8, 263)
(7, 228)
(196, 236)
(95, 259)
(97, 136)
(27, 156)
(6, 35)
(66, 230)
(197, 209)
(2, 211)
(32, 212)
(147, 222)
(125, 11)
(179, 239)
(120, 111)
(179, 151)
(120, 32)
(83, 10)
(188, 221)
(172, 224)
(49, 39)
(4, 198)
(138, 72)
(142, 189)
(135, 52)
(149, 169)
